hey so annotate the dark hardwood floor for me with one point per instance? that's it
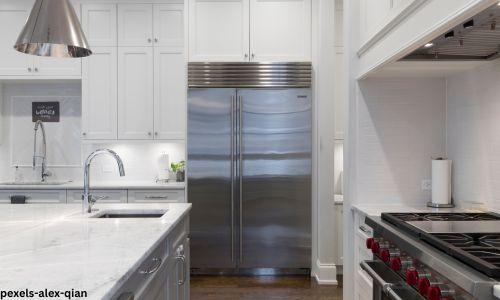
(261, 288)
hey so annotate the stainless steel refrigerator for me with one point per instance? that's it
(249, 179)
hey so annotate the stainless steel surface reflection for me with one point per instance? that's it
(249, 177)
(457, 226)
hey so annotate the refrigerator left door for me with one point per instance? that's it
(209, 173)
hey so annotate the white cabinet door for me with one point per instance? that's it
(156, 196)
(280, 30)
(99, 94)
(170, 94)
(52, 66)
(135, 25)
(99, 24)
(35, 196)
(219, 30)
(135, 93)
(12, 19)
(168, 25)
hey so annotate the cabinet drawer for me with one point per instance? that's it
(103, 196)
(35, 196)
(155, 196)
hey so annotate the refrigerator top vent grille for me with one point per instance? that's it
(249, 75)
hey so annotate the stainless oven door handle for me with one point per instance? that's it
(392, 294)
(374, 275)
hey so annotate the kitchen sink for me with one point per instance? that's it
(130, 214)
(35, 183)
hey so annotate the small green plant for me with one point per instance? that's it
(176, 167)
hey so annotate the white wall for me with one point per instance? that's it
(400, 125)
(473, 136)
(65, 151)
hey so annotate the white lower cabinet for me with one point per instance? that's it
(363, 283)
(102, 196)
(34, 196)
(155, 196)
(165, 273)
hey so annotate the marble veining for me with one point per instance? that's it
(55, 246)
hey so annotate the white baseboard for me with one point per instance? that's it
(325, 273)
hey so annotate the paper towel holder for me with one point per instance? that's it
(435, 205)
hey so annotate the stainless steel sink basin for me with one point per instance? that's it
(35, 183)
(130, 214)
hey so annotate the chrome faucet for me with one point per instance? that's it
(45, 173)
(88, 199)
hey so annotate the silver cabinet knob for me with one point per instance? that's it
(149, 133)
(36, 69)
(156, 133)
(29, 69)
(246, 55)
(156, 40)
(253, 55)
(149, 40)
(84, 133)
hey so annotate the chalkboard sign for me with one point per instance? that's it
(45, 111)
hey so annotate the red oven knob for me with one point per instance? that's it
(412, 276)
(385, 255)
(440, 292)
(375, 247)
(434, 293)
(423, 286)
(395, 263)
(369, 243)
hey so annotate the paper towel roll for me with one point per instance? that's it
(163, 166)
(441, 181)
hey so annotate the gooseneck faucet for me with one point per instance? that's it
(43, 156)
(88, 199)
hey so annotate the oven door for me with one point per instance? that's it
(387, 284)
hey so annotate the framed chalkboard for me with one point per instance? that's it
(45, 111)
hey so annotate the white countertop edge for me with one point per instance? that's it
(378, 209)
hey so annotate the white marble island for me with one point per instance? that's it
(56, 247)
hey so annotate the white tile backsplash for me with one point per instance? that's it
(400, 125)
(474, 134)
(66, 152)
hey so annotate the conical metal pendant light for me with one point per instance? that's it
(53, 30)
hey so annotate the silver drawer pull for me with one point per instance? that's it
(182, 258)
(156, 197)
(157, 264)
(365, 230)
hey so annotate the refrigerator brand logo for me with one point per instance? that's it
(302, 96)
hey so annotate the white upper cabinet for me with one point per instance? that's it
(99, 94)
(12, 19)
(219, 30)
(135, 25)
(99, 24)
(280, 30)
(13, 16)
(57, 67)
(168, 25)
(170, 93)
(135, 93)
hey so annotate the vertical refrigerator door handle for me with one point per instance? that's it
(240, 173)
(233, 146)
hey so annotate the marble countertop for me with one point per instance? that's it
(56, 247)
(377, 210)
(104, 185)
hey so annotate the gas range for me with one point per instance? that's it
(436, 255)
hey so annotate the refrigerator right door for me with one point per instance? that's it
(275, 199)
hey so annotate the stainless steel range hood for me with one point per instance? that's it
(478, 38)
